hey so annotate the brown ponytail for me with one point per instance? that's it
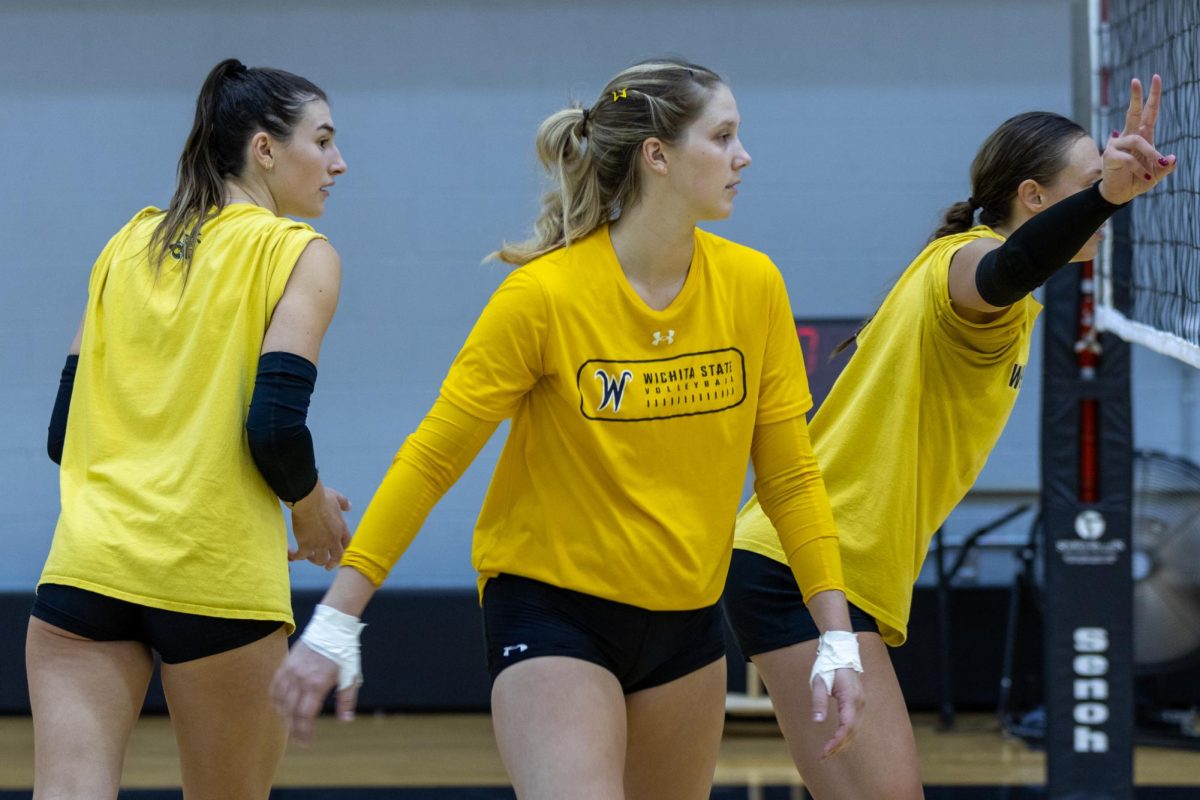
(957, 218)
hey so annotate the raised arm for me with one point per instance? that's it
(987, 276)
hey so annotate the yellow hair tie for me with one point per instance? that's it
(618, 95)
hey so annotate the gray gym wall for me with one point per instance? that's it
(862, 117)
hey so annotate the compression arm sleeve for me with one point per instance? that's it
(277, 424)
(57, 434)
(792, 495)
(1040, 247)
(428, 464)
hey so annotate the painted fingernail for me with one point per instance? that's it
(1115, 134)
(1163, 162)
(1148, 176)
(818, 717)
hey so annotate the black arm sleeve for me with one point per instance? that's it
(1040, 247)
(276, 426)
(57, 434)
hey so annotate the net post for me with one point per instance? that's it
(1087, 463)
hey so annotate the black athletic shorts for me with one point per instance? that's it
(766, 610)
(175, 636)
(524, 618)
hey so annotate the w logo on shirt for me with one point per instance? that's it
(614, 388)
(1018, 373)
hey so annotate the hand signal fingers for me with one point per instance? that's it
(1150, 110)
(1133, 115)
(1138, 156)
(1144, 152)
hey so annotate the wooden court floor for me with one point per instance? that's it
(426, 750)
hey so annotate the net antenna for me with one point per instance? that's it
(1148, 270)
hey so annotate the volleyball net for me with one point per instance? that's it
(1148, 288)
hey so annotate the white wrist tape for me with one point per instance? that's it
(835, 650)
(334, 635)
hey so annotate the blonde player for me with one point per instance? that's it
(643, 362)
(179, 442)
(911, 420)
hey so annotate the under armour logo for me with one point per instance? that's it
(659, 338)
(614, 388)
(1018, 373)
(520, 648)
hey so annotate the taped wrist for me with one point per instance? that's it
(835, 650)
(276, 426)
(335, 635)
(56, 435)
(1040, 247)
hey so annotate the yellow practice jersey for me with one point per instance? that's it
(162, 504)
(631, 427)
(906, 430)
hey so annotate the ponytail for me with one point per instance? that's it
(591, 154)
(958, 218)
(572, 209)
(200, 185)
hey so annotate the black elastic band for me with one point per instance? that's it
(1040, 247)
(276, 426)
(56, 436)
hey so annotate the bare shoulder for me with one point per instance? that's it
(318, 263)
(309, 300)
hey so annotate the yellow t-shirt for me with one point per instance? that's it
(631, 427)
(906, 430)
(162, 504)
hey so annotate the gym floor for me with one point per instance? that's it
(453, 757)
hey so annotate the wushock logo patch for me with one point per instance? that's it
(642, 390)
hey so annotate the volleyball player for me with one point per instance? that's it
(187, 389)
(643, 362)
(912, 418)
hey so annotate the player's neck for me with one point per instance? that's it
(651, 251)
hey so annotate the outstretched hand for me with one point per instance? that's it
(1132, 165)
